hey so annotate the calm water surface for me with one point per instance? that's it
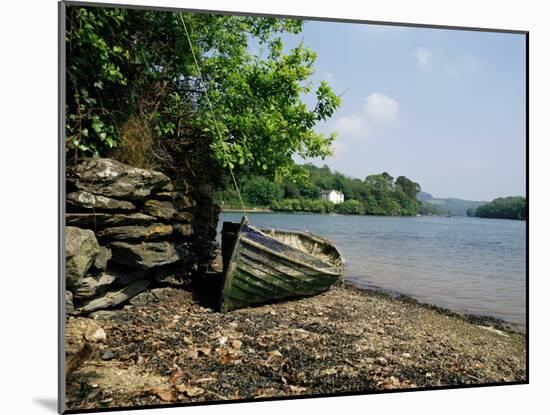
(469, 265)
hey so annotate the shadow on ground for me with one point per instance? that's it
(48, 403)
(207, 289)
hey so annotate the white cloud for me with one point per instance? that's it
(438, 62)
(423, 58)
(381, 108)
(352, 129)
(374, 120)
(350, 125)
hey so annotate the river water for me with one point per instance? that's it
(468, 265)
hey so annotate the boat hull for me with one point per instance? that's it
(260, 268)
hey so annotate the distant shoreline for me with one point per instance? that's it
(255, 210)
(267, 210)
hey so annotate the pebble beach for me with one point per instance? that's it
(168, 346)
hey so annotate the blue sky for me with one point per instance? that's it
(445, 108)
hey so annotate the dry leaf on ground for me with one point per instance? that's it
(189, 390)
(164, 394)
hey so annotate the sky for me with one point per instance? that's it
(445, 108)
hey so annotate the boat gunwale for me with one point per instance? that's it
(313, 236)
(286, 258)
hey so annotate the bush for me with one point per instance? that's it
(227, 198)
(303, 205)
(297, 205)
(284, 205)
(260, 191)
(350, 207)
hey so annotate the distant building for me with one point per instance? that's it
(332, 195)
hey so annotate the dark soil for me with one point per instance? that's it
(169, 345)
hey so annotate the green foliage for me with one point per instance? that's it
(407, 186)
(95, 73)
(454, 207)
(514, 207)
(429, 209)
(378, 194)
(405, 191)
(350, 207)
(303, 205)
(260, 191)
(227, 198)
(124, 63)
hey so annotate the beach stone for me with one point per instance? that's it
(143, 298)
(98, 336)
(103, 314)
(92, 285)
(171, 196)
(170, 279)
(173, 274)
(87, 200)
(147, 254)
(165, 210)
(81, 329)
(161, 209)
(382, 360)
(183, 201)
(81, 249)
(111, 178)
(113, 298)
(135, 233)
(102, 220)
(102, 258)
(183, 230)
(169, 187)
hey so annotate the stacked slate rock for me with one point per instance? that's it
(127, 228)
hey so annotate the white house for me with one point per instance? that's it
(332, 195)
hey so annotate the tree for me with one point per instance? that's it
(350, 207)
(379, 183)
(389, 179)
(291, 191)
(405, 192)
(429, 209)
(137, 64)
(261, 191)
(410, 188)
(378, 194)
(339, 181)
(514, 207)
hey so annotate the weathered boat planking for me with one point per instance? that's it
(265, 265)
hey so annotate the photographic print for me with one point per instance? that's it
(259, 207)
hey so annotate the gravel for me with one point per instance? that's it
(170, 347)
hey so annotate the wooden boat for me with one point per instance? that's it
(266, 265)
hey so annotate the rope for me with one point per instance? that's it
(212, 114)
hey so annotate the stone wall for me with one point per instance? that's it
(129, 228)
